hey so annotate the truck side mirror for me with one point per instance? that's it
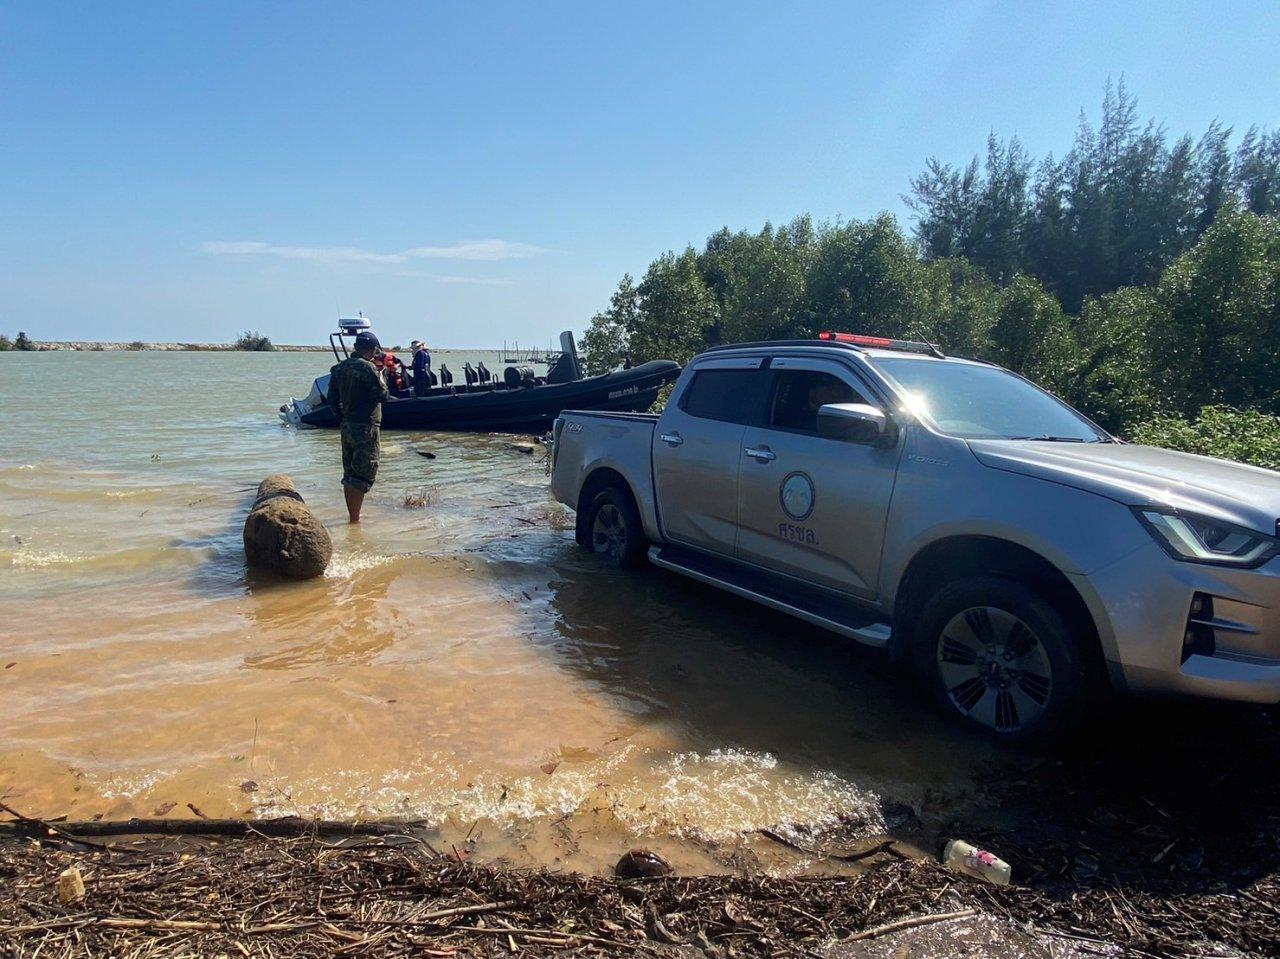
(855, 423)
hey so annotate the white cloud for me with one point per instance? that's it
(488, 250)
(315, 254)
(476, 250)
(472, 280)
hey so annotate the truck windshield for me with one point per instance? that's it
(985, 402)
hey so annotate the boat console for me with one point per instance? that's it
(348, 326)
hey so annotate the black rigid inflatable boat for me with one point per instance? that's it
(517, 402)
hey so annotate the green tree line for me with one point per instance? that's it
(1157, 312)
(1116, 211)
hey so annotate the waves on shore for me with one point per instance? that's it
(115, 561)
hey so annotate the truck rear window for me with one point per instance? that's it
(732, 396)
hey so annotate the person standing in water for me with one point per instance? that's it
(356, 394)
(421, 368)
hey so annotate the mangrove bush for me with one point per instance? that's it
(254, 342)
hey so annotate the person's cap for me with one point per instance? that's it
(416, 343)
(367, 341)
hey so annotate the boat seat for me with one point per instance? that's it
(563, 369)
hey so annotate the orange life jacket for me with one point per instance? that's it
(392, 374)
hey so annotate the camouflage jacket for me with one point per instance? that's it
(357, 392)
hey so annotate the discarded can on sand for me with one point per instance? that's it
(964, 857)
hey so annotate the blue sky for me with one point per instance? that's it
(474, 172)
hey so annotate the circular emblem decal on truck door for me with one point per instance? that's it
(797, 496)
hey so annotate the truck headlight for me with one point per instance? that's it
(1201, 539)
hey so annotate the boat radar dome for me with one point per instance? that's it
(354, 324)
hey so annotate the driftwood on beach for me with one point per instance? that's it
(281, 533)
(387, 897)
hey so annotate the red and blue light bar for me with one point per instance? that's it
(881, 343)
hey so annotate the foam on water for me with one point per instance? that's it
(347, 566)
(38, 559)
(729, 791)
(718, 797)
(112, 561)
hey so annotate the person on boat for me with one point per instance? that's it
(421, 368)
(356, 394)
(391, 372)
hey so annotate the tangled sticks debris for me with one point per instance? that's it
(393, 896)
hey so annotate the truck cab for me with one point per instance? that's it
(989, 536)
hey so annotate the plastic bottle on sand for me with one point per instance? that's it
(972, 861)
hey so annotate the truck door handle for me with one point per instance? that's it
(761, 455)
(671, 439)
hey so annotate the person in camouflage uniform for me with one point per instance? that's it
(356, 393)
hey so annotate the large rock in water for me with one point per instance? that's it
(283, 535)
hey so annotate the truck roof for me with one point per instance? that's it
(923, 351)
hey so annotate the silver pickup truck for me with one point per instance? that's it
(1013, 553)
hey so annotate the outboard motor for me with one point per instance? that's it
(432, 378)
(483, 373)
(446, 378)
(519, 377)
(469, 372)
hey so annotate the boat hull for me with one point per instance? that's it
(531, 409)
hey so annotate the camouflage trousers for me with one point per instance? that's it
(359, 455)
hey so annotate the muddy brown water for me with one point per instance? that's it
(462, 663)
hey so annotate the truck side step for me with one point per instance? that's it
(805, 602)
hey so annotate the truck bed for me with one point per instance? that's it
(593, 444)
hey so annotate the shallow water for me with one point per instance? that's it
(461, 663)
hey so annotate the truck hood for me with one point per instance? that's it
(1145, 476)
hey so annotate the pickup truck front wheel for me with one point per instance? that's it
(614, 530)
(999, 656)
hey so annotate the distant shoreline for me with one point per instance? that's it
(92, 346)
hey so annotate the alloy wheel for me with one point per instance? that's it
(994, 669)
(609, 532)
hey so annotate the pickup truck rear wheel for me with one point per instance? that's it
(998, 656)
(614, 529)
